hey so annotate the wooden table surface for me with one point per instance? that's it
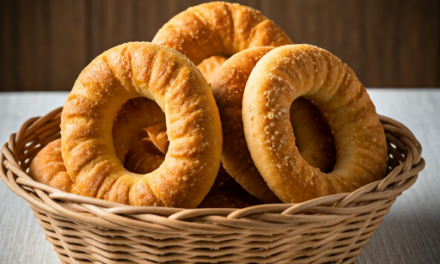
(410, 233)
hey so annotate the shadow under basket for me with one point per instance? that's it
(330, 229)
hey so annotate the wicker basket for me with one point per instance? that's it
(328, 229)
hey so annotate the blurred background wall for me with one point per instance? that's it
(388, 43)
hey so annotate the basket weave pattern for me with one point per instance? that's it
(328, 229)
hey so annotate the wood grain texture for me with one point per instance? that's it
(410, 232)
(46, 43)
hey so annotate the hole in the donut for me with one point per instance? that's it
(139, 135)
(208, 67)
(314, 138)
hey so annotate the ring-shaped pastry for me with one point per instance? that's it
(48, 168)
(193, 127)
(280, 77)
(219, 28)
(315, 141)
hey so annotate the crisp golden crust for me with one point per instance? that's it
(314, 136)
(193, 127)
(48, 167)
(209, 66)
(280, 77)
(219, 28)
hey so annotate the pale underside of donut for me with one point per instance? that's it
(193, 126)
(314, 137)
(281, 76)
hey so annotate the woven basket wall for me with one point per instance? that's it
(331, 229)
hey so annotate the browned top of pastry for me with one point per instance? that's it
(219, 28)
(48, 167)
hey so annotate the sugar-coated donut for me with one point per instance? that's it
(193, 127)
(280, 77)
(209, 66)
(48, 167)
(219, 28)
(315, 140)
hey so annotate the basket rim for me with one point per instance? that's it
(320, 209)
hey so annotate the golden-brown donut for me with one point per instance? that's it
(48, 167)
(193, 127)
(315, 140)
(219, 28)
(209, 66)
(280, 77)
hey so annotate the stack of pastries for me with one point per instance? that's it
(258, 120)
